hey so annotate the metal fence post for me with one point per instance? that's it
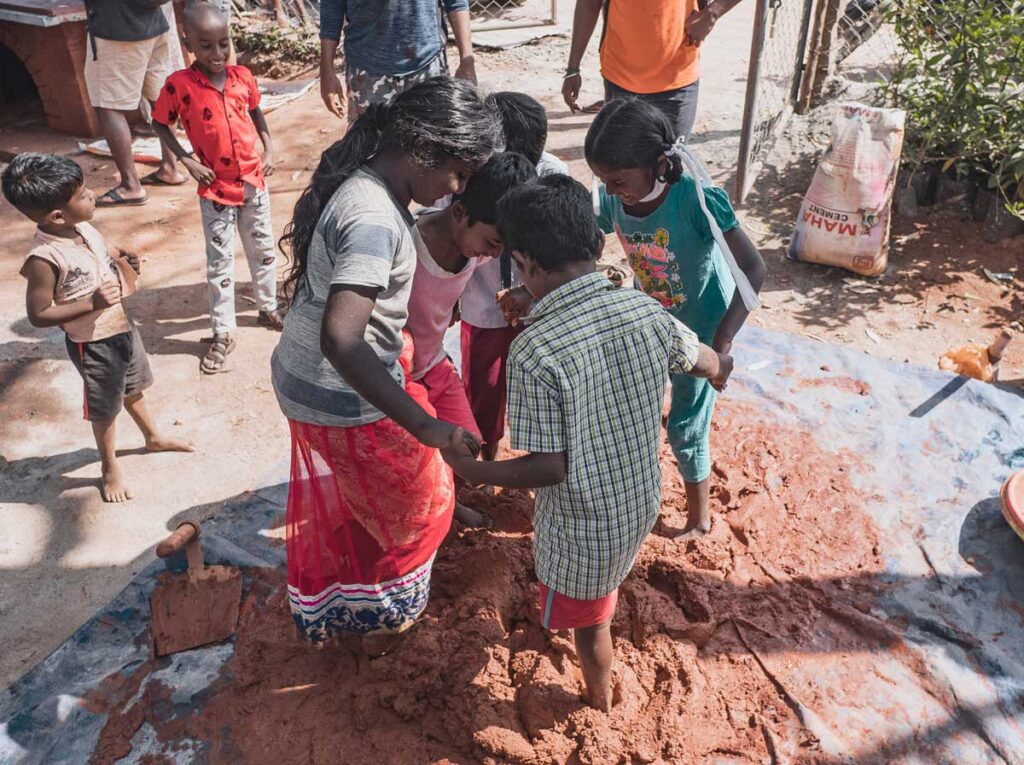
(744, 179)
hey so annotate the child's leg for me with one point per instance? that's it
(595, 651)
(689, 428)
(258, 243)
(138, 377)
(698, 509)
(113, 487)
(219, 230)
(484, 352)
(155, 440)
(103, 365)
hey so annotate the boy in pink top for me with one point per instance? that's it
(450, 243)
(77, 283)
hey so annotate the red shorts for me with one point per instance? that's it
(484, 353)
(446, 394)
(559, 612)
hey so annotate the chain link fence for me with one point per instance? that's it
(797, 46)
(512, 14)
(773, 81)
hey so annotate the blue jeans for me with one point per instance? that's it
(679, 105)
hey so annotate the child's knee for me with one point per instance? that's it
(694, 461)
(589, 639)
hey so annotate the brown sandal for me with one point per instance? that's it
(213, 361)
(271, 320)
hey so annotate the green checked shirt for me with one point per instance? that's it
(588, 378)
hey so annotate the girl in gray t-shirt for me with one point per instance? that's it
(370, 498)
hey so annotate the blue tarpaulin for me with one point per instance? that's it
(933, 452)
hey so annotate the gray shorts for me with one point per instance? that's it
(365, 88)
(111, 369)
(679, 105)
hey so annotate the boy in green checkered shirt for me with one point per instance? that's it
(586, 382)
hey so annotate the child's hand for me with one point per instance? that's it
(456, 315)
(616, 275)
(460, 447)
(725, 365)
(108, 294)
(268, 162)
(132, 259)
(204, 176)
(514, 304)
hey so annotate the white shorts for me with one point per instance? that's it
(123, 72)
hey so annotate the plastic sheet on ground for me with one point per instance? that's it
(932, 449)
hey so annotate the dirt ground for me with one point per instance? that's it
(63, 552)
(703, 631)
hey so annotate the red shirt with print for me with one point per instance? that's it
(219, 128)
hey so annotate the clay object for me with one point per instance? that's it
(977, 361)
(197, 607)
(1011, 497)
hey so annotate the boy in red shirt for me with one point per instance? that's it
(219, 108)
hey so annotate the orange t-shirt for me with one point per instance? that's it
(645, 48)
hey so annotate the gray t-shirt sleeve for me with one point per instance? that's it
(362, 249)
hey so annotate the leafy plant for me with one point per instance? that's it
(961, 81)
(268, 42)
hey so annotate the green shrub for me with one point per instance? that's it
(961, 81)
(267, 43)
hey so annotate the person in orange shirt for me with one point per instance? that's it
(650, 49)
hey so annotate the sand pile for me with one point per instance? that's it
(786, 572)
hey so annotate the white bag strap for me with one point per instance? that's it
(693, 166)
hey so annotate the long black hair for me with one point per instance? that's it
(628, 133)
(436, 120)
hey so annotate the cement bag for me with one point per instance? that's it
(844, 219)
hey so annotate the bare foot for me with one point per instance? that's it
(160, 443)
(112, 484)
(600, 700)
(692, 532)
(376, 646)
(467, 516)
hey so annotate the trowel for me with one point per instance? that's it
(197, 607)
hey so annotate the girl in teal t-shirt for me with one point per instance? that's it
(652, 206)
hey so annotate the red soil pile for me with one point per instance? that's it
(845, 384)
(786, 571)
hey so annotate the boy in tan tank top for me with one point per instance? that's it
(76, 283)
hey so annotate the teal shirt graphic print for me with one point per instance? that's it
(674, 255)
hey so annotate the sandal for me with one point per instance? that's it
(154, 179)
(271, 320)
(114, 198)
(213, 361)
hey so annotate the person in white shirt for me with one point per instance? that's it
(486, 335)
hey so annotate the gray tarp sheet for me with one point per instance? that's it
(937, 449)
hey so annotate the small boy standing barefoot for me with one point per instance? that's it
(586, 381)
(76, 283)
(219, 107)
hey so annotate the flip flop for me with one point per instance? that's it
(113, 198)
(154, 179)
